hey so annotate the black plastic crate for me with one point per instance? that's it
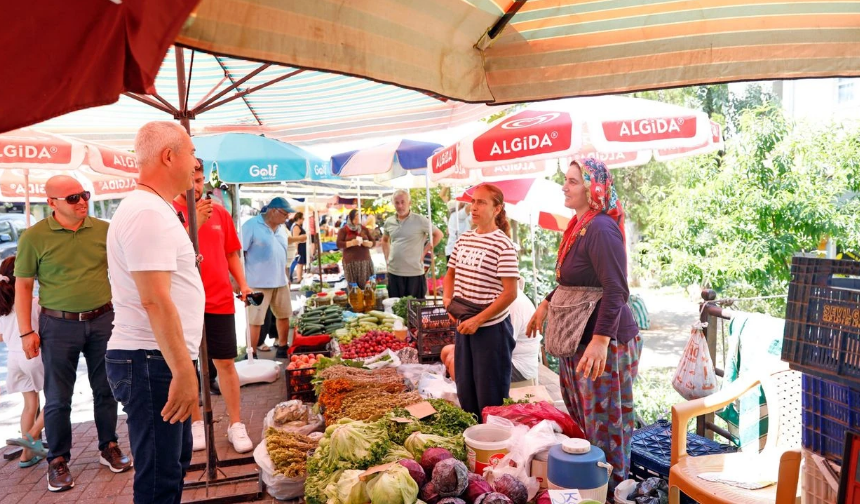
(428, 315)
(829, 411)
(822, 321)
(652, 450)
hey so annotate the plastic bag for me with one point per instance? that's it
(695, 377)
(382, 360)
(278, 485)
(437, 387)
(531, 414)
(315, 422)
(522, 447)
(413, 372)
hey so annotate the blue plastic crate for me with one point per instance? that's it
(829, 410)
(652, 450)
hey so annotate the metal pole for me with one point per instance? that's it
(534, 257)
(27, 196)
(430, 233)
(319, 244)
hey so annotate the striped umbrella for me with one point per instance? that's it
(618, 130)
(399, 163)
(509, 51)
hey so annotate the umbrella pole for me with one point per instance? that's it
(430, 233)
(534, 257)
(319, 244)
(27, 196)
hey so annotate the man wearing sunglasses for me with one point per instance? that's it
(67, 253)
(264, 240)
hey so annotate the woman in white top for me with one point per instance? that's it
(26, 376)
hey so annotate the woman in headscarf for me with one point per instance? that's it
(355, 242)
(597, 374)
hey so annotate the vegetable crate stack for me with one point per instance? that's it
(431, 327)
(299, 375)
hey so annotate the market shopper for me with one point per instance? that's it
(297, 232)
(458, 223)
(66, 252)
(525, 358)
(159, 300)
(405, 242)
(23, 375)
(220, 248)
(480, 285)
(264, 241)
(355, 242)
(597, 380)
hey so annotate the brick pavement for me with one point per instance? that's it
(95, 484)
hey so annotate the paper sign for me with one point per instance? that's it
(375, 469)
(565, 496)
(537, 394)
(421, 410)
(401, 420)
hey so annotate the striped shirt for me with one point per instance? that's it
(480, 262)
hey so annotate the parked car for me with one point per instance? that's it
(11, 228)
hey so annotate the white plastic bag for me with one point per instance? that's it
(695, 377)
(413, 372)
(436, 386)
(315, 422)
(382, 360)
(522, 447)
(278, 485)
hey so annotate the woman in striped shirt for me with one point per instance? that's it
(482, 276)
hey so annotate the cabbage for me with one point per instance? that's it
(350, 489)
(415, 470)
(396, 453)
(393, 486)
(355, 445)
(493, 498)
(417, 442)
(512, 487)
(451, 500)
(477, 487)
(432, 456)
(450, 477)
(321, 486)
(543, 498)
(429, 493)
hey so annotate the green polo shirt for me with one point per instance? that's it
(71, 266)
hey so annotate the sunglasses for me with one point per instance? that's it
(73, 199)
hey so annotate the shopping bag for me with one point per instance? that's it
(695, 377)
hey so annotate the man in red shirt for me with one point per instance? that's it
(221, 251)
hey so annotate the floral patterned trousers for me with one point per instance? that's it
(603, 408)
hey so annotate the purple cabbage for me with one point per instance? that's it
(543, 498)
(415, 470)
(477, 486)
(450, 477)
(429, 494)
(493, 498)
(452, 500)
(433, 456)
(512, 487)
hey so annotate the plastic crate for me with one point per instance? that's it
(299, 381)
(829, 410)
(822, 328)
(652, 450)
(428, 315)
(816, 487)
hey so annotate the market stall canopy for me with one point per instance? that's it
(508, 51)
(71, 55)
(301, 107)
(400, 163)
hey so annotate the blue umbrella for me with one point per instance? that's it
(410, 155)
(244, 158)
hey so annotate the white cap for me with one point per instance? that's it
(576, 446)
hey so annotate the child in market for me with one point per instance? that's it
(26, 376)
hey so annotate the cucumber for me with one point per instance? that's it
(377, 314)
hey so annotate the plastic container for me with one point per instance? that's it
(369, 296)
(486, 445)
(829, 410)
(576, 464)
(538, 467)
(341, 299)
(381, 296)
(324, 299)
(816, 486)
(356, 298)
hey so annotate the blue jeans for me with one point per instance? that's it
(63, 341)
(140, 380)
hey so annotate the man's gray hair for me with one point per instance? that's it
(403, 192)
(153, 137)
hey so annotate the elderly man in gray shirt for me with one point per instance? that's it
(405, 244)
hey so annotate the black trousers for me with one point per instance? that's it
(63, 341)
(402, 286)
(482, 364)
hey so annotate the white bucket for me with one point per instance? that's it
(623, 490)
(486, 445)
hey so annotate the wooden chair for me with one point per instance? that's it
(782, 392)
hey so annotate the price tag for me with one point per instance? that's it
(565, 496)
(375, 469)
(421, 410)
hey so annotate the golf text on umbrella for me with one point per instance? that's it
(264, 173)
(528, 133)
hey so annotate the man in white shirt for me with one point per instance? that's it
(158, 299)
(459, 222)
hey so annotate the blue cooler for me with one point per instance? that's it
(577, 465)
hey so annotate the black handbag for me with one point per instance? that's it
(463, 309)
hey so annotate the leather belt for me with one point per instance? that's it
(81, 316)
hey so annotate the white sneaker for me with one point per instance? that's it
(198, 434)
(237, 435)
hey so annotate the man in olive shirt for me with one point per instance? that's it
(405, 244)
(67, 253)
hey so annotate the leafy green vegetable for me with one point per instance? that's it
(393, 486)
(331, 257)
(350, 489)
(400, 306)
(448, 421)
(507, 401)
(417, 442)
(320, 486)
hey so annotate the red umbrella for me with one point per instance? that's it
(67, 56)
(536, 201)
